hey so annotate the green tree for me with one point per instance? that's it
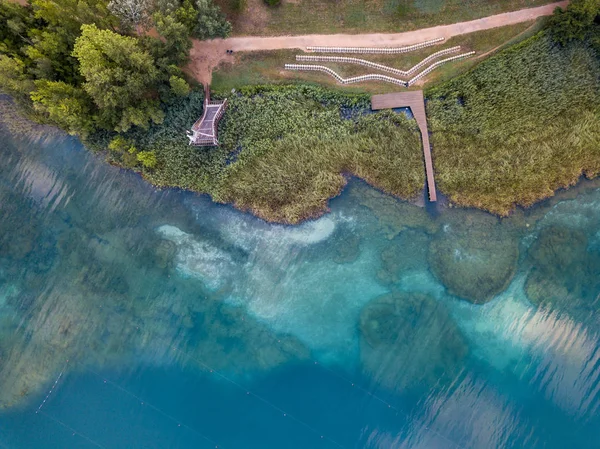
(15, 20)
(578, 21)
(14, 80)
(211, 21)
(147, 158)
(124, 150)
(120, 77)
(67, 106)
(179, 87)
(175, 46)
(187, 15)
(121, 145)
(50, 55)
(71, 14)
(166, 6)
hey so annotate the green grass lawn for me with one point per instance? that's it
(359, 16)
(251, 68)
(519, 126)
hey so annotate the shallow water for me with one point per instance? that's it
(137, 318)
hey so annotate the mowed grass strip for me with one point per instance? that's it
(292, 17)
(519, 126)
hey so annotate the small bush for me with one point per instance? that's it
(273, 3)
(147, 158)
(238, 5)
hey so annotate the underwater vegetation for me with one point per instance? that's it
(409, 340)
(403, 253)
(347, 249)
(109, 307)
(474, 256)
(565, 271)
(394, 216)
(85, 277)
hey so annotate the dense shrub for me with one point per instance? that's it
(579, 21)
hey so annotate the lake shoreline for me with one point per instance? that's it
(15, 122)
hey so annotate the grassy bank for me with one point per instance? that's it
(355, 16)
(519, 126)
(286, 150)
(251, 68)
(509, 132)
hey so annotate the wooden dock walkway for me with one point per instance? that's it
(204, 131)
(415, 101)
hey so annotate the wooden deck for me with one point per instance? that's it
(415, 101)
(204, 131)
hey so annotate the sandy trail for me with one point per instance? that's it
(206, 55)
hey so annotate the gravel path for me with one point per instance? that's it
(206, 55)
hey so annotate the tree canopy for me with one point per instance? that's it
(67, 106)
(120, 77)
(580, 20)
(88, 65)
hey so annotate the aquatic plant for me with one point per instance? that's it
(295, 148)
(164, 253)
(564, 274)
(231, 341)
(394, 216)
(347, 249)
(404, 253)
(18, 229)
(409, 340)
(473, 256)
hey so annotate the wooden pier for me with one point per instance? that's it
(204, 131)
(415, 101)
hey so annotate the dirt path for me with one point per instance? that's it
(206, 55)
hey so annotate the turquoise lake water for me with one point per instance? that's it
(132, 317)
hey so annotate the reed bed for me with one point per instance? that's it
(519, 126)
(297, 152)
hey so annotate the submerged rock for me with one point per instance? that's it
(409, 340)
(474, 256)
(564, 274)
